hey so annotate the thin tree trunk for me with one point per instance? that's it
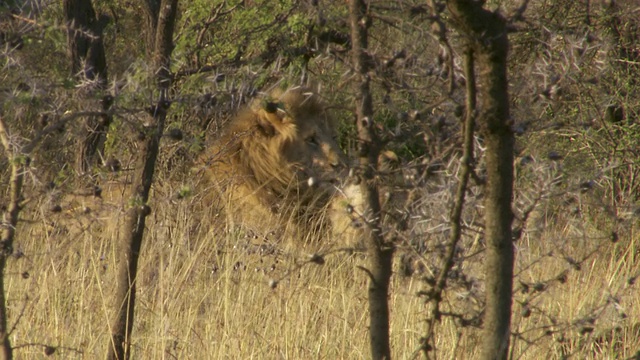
(84, 40)
(9, 223)
(131, 240)
(95, 131)
(380, 253)
(151, 11)
(466, 167)
(488, 36)
(88, 63)
(6, 351)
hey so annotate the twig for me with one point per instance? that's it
(456, 211)
(27, 149)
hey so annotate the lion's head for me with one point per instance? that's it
(278, 156)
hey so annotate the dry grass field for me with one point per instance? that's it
(209, 290)
(205, 293)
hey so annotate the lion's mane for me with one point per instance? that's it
(276, 159)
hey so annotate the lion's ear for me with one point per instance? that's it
(272, 120)
(264, 125)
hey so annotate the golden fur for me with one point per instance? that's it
(277, 162)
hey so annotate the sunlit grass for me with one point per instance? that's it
(201, 296)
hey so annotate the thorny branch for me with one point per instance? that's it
(435, 295)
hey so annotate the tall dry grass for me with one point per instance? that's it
(205, 293)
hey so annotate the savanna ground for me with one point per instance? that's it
(206, 292)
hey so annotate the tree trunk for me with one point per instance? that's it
(455, 222)
(84, 40)
(380, 253)
(488, 36)
(88, 63)
(151, 11)
(94, 134)
(131, 240)
(9, 222)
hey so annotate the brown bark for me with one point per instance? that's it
(84, 40)
(9, 223)
(380, 252)
(95, 131)
(6, 351)
(487, 35)
(151, 12)
(131, 240)
(88, 62)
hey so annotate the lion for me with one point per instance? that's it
(277, 165)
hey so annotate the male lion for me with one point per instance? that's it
(276, 165)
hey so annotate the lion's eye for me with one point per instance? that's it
(311, 140)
